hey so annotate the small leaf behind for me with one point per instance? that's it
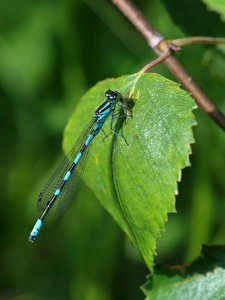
(217, 6)
(204, 278)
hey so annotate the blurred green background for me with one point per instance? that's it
(51, 52)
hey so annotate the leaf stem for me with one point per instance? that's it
(158, 43)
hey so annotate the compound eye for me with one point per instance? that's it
(108, 93)
(111, 94)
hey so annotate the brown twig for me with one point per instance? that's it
(158, 43)
(196, 40)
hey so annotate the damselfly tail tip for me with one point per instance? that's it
(31, 238)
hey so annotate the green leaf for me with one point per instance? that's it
(137, 182)
(217, 6)
(193, 17)
(203, 279)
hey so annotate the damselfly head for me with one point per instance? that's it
(112, 95)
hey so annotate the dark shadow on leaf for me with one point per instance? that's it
(120, 123)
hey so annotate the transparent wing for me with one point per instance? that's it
(68, 191)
